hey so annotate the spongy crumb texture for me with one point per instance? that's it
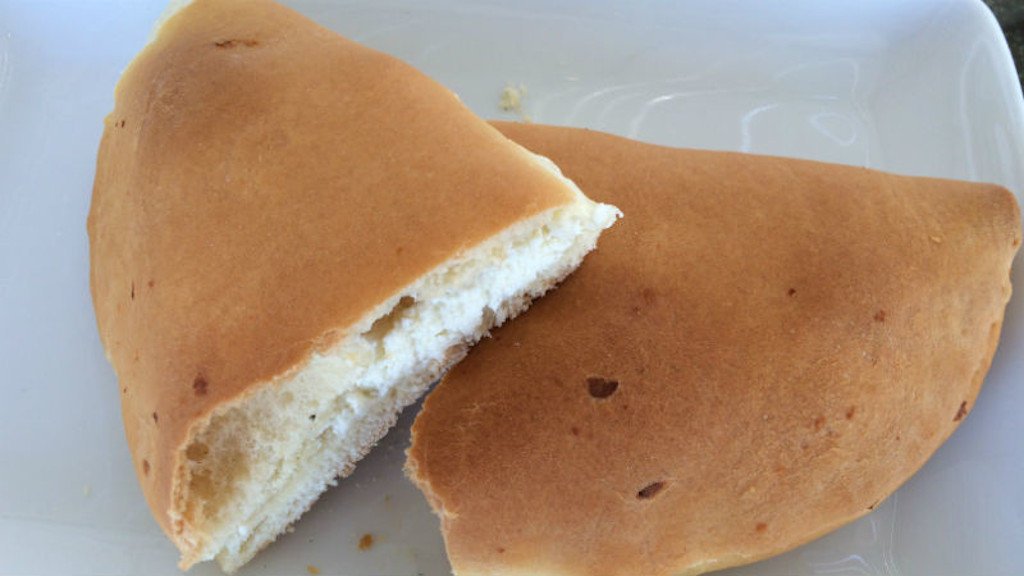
(291, 236)
(260, 462)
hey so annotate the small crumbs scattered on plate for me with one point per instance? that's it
(312, 569)
(512, 100)
(366, 542)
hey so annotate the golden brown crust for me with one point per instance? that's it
(261, 184)
(790, 340)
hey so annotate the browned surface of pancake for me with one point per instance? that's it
(262, 183)
(759, 352)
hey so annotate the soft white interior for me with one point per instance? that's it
(261, 462)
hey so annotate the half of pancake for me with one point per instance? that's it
(291, 237)
(759, 353)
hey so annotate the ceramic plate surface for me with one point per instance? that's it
(915, 87)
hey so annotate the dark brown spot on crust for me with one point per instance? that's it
(366, 542)
(119, 124)
(236, 42)
(156, 419)
(145, 467)
(197, 451)
(850, 412)
(501, 550)
(761, 527)
(791, 292)
(819, 422)
(961, 412)
(649, 295)
(575, 431)
(133, 290)
(651, 490)
(601, 387)
(875, 505)
(199, 385)
(150, 283)
(880, 316)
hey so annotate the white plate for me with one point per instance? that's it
(915, 87)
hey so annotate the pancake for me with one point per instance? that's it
(760, 352)
(291, 237)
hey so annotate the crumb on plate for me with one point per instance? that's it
(512, 101)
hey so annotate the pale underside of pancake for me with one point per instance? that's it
(760, 352)
(291, 237)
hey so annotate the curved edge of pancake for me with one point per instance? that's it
(177, 377)
(895, 482)
(458, 439)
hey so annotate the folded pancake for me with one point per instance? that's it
(761, 351)
(292, 236)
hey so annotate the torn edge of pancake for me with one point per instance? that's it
(257, 463)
